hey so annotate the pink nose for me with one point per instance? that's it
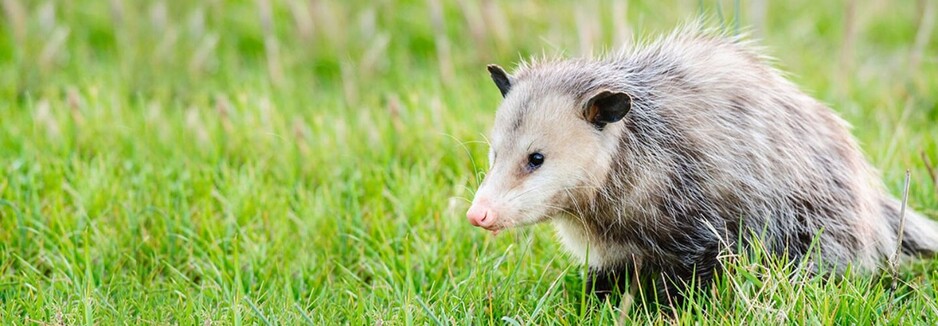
(481, 215)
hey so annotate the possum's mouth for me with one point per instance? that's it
(484, 215)
(494, 217)
(495, 228)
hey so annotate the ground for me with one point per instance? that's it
(285, 162)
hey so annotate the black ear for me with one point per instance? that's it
(607, 107)
(500, 78)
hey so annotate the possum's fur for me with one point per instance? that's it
(717, 146)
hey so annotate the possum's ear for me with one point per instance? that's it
(500, 78)
(607, 107)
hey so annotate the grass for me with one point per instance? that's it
(290, 162)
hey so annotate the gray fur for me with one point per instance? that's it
(716, 142)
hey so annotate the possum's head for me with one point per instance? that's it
(552, 147)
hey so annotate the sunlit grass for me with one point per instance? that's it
(290, 162)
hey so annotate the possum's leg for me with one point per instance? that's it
(621, 286)
(667, 286)
(674, 282)
(609, 283)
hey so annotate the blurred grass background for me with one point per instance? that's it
(311, 161)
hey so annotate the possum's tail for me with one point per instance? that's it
(920, 236)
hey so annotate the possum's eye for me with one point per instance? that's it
(535, 160)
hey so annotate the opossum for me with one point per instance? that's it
(658, 158)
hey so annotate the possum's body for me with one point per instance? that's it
(714, 145)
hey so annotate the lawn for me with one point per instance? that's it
(291, 162)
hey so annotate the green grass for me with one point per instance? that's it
(292, 162)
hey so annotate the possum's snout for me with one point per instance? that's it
(482, 215)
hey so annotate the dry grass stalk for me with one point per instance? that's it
(895, 257)
(588, 30)
(931, 170)
(271, 45)
(757, 14)
(158, 15)
(477, 27)
(325, 17)
(303, 19)
(443, 52)
(51, 50)
(45, 16)
(203, 53)
(620, 23)
(923, 35)
(373, 56)
(17, 16)
(117, 13)
(847, 44)
(497, 22)
(349, 82)
(394, 111)
(44, 117)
